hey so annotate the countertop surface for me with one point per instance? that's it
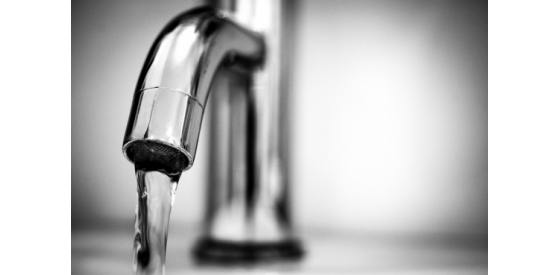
(109, 251)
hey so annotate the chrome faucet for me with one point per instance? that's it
(236, 52)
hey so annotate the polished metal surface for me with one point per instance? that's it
(248, 191)
(177, 76)
(248, 215)
(239, 55)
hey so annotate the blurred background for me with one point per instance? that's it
(390, 119)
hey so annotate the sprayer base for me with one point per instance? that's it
(223, 252)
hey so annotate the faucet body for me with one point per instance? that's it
(175, 81)
(239, 61)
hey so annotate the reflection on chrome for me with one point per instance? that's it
(239, 55)
(177, 76)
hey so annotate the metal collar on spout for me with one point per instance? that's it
(174, 84)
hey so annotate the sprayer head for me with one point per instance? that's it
(152, 155)
(164, 126)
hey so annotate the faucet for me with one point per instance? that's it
(237, 55)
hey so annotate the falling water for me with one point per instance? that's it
(156, 192)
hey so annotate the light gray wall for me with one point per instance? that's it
(390, 128)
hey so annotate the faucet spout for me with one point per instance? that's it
(243, 61)
(174, 84)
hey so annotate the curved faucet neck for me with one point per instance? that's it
(177, 77)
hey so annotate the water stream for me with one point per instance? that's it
(156, 192)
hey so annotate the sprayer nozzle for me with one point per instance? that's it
(150, 155)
